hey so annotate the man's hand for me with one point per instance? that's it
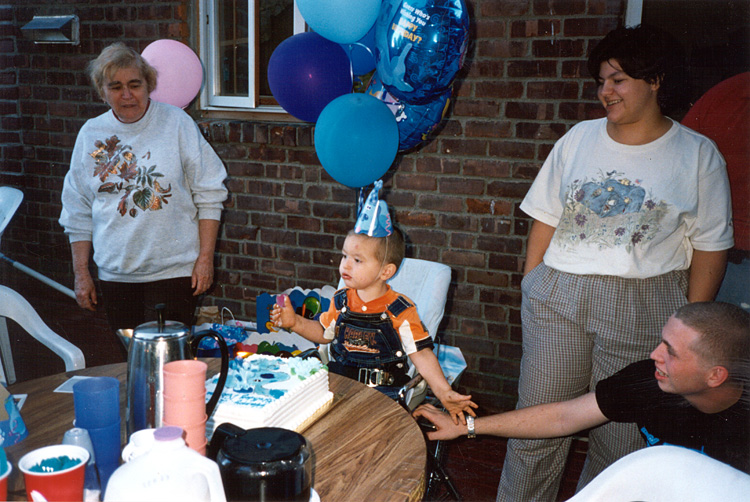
(446, 428)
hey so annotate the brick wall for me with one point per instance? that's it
(456, 198)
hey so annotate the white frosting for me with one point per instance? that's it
(267, 391)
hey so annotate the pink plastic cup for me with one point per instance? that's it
(184, 379)
(194, 433)
(179, 411)
(61, 485)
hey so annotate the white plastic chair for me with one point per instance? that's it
(667, 474)
(14, 306)
(10, 199)
(426, 284)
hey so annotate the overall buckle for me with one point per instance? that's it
(373, 377)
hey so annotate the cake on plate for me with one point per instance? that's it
(268, 391)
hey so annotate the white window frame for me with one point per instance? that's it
(210, 99)
(633, 13)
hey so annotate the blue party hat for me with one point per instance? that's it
(373, 218)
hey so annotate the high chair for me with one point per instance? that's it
(426, 284)
(436, 475)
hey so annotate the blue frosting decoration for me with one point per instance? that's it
(374, 219)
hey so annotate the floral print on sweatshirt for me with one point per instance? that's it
(134, 183)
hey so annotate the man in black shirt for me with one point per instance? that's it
(693, 392)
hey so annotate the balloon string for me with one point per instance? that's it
(351, 63)
(360, 200)
(349, 48)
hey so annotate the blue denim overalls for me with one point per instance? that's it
(367, 347)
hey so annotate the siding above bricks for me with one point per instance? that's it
(523, 85)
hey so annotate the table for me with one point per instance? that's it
(366, 447)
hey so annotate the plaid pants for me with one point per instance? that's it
(577, 330)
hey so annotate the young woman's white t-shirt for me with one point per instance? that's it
(631, 211)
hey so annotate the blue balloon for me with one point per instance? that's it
(362, 53)
(415, 122)
(356, 139)
(341, 21)
(421, 45)
(306, 72)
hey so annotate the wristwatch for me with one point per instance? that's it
(470, 426)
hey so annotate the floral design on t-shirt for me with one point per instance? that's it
(612, 211)
(136, 182)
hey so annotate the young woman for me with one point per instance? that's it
(631, 220)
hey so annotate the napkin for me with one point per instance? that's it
(12, 428)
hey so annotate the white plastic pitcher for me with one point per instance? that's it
(169, 471)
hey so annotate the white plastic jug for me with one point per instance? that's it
(169, 471)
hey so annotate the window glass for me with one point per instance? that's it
(233, 47)
(276, 25)
(237, 39)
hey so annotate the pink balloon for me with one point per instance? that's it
(180, 72)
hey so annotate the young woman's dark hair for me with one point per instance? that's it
(646, 53)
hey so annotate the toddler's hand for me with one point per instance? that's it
(283, 317)
(457, 404)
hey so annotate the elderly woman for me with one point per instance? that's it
(145, 191)
(631, 220)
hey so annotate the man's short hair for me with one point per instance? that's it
(725, 335)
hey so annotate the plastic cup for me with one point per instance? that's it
(97, 402)
(80, 437)
(184, 379)
(61, 485)
(107, 447)
(194, 433)
(4, 482)
(178, 411)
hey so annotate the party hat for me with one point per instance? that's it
(373, 218)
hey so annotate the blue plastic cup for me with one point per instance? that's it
(107, 447)
(97, 402)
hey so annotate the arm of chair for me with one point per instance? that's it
(15, 306)
(403, 393)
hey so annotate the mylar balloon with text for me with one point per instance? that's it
(356, 139)
(421, 45)
(415, 122)
(306, 72)
(341, 21)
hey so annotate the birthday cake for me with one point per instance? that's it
(268, 391)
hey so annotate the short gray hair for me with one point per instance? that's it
(115, 57)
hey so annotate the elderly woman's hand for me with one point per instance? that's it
(85, 291)
(203, 274)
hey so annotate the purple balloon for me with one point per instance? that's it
(306, 72)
